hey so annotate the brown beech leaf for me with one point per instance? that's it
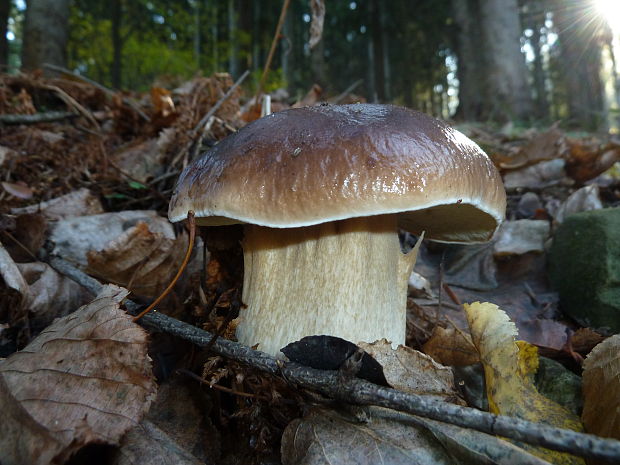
(85, 379)
(408, 370)
(601, 389)
(451, 346)
(141, 260)
(77, 203)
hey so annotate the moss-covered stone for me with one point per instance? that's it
(584, 267)
(559, 384)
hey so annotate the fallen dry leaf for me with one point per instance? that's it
(378, 435)
(139, 259)
(146, 443)
(316, 26)
(408, 370)
(18, 190)
(509, 386)
(601, 389)
(75, 237)
(50, 294)
(326, 437)
(452, 347)
(77, 203)
(85, 379)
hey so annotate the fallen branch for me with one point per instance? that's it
(46, 117)
(358, 391)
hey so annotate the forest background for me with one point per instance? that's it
(527, 61)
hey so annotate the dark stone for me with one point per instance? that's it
(584, 267)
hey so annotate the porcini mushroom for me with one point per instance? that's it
(322, 191)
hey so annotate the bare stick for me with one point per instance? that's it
(358, 391)
(199, 128)
(190, 245)
(99, 86)
(272, 50)
(46, 117)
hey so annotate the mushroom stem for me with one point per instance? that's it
(344, 278)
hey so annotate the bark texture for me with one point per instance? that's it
(46, 30)
(579, 33)
(5, 8)
(491, 67)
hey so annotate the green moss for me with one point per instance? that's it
(584, 267)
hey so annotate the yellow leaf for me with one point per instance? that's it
(507, 371)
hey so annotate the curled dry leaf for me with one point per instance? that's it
(50, 294)
(408, 370)
(316, 26)
(85, 379)
(325, 437)
(451, 346)
(146, 443)
(77, 203)
(601, 389)
(18, 190)
(75, 237)
(141, 260)
(385, 436)
(507, 372)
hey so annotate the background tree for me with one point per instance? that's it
(580, 36)
(492, 71)
(46, 29)
(5, 9)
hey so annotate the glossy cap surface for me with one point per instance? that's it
(311, 165)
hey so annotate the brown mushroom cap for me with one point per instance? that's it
(312, 165)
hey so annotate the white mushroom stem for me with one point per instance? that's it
(345, 278)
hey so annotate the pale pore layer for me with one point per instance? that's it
(345, 278)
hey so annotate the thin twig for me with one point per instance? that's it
(199, 129)
(347, 91)
(218, 387)
(104, 89)
(358, 391)
(47, 117)
(190, 247)
(272, 49)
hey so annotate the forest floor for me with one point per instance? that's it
(86, 177)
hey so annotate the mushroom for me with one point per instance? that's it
(321, 192)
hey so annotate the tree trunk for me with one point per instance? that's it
(509, 95)
(537, 21)
(471, 62)
(377, 48)
(233, 43)
(5, 9)
(46, 30)
(116, 10)
(580, 63)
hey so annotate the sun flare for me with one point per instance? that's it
(610, 10)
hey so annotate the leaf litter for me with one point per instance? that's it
(126, 162)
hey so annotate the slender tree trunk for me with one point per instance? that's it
(387, 72)
(507, 84)
(197, 34)
(46, 30)
(580, 61)
(471, 63)
(371, 92)
(286, 45)
(233, 43)
(377, 41)
(116, 9)
(542, 103)
(5, 9)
